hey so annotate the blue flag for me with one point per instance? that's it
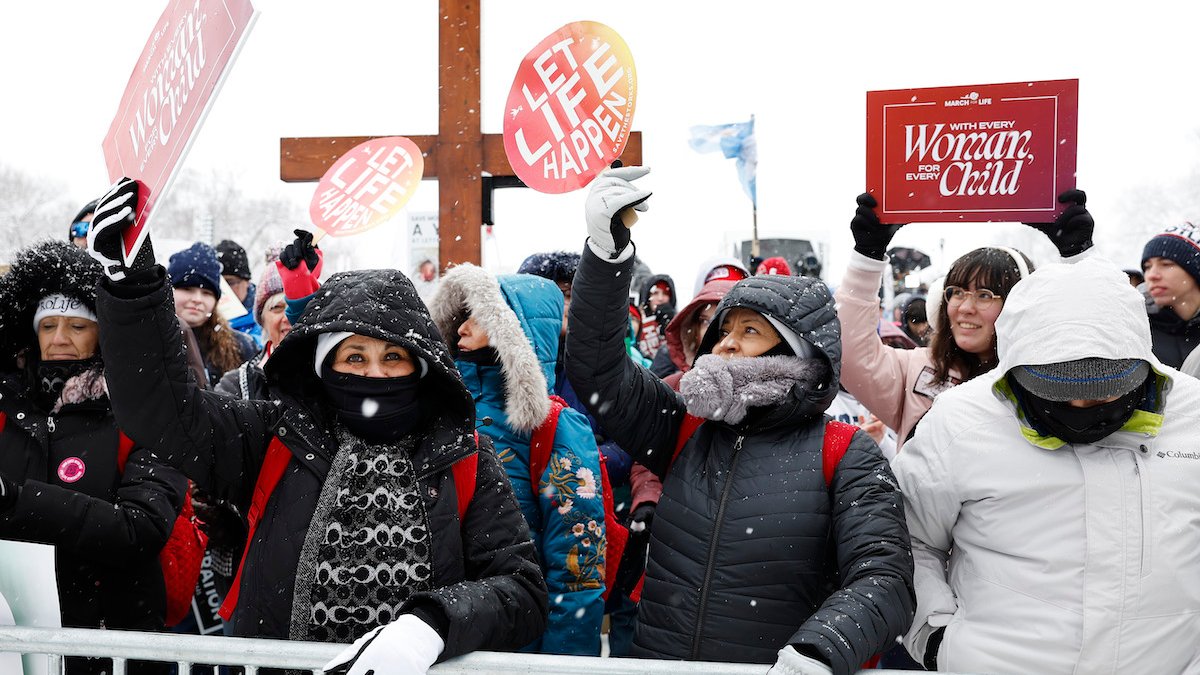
(733, 140)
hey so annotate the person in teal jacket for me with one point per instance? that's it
(504, 333)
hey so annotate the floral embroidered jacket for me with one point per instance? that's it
(566, 512)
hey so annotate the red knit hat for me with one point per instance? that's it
(775, 265)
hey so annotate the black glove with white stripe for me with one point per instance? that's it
(115, 213)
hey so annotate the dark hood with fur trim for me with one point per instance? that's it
(381, 304)
(804, 305)
(42, 269)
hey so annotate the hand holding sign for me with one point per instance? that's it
(871, 237)
(1071, 231)
(114, 217)
(610, 199)
(367, 186)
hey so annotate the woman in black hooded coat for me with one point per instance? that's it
(363, 527)
(60, 483)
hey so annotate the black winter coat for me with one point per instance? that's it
(1173, 338)
(107, 527)
(489, 592)
(749, 551)
(247, 381)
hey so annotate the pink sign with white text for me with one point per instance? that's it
(171, 88)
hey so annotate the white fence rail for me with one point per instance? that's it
(253, 654)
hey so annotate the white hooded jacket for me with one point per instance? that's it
(1061, 558)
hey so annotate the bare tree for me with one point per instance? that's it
(254, 221)
(1148, 209)
(33, 208)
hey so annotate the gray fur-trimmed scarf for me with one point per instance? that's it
(724, 389)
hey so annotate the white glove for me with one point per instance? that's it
(115, 213)
(792, 662)
(406, 646)
(610, 194)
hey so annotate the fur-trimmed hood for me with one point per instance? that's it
(802, 304)
(42, 269)
(522, 315)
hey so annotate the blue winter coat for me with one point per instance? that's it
(566, 514)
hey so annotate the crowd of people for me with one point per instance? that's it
(992, 474)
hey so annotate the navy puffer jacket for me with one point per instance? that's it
(750, 550)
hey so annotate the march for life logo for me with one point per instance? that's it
(570, 107)
(972, 153)
(367, 186)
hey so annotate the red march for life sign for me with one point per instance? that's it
(974, 153)
(570, 107)
(172, 86)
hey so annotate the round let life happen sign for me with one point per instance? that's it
(570, 107)
(366, 186)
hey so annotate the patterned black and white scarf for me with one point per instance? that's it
(368, 545)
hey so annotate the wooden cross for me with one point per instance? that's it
(459, 155)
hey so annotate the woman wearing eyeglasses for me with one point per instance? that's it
(898, 386)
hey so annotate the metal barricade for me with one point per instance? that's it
(188, 650)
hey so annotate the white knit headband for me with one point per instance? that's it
(58, 304)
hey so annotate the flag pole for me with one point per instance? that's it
(754, 248)
(754, 234)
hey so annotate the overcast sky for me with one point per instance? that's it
(359, 67)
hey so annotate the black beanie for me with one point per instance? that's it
(233, 259)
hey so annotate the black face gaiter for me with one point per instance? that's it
(1080, 425)
(376, 409)
(53, 375)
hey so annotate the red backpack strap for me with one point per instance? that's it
(543, 442)
(124, 447)
(3, 420)
(837, 440)
(687, 427)
(465, 473)
(273, 466)
(616, 534)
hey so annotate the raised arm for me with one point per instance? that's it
(215, 441)
(640, 412)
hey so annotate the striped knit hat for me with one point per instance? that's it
(270, 284)
(1180, 243)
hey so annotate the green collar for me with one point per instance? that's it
(1145, 422)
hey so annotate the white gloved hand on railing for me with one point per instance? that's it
(406, 646)
(792, 662)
